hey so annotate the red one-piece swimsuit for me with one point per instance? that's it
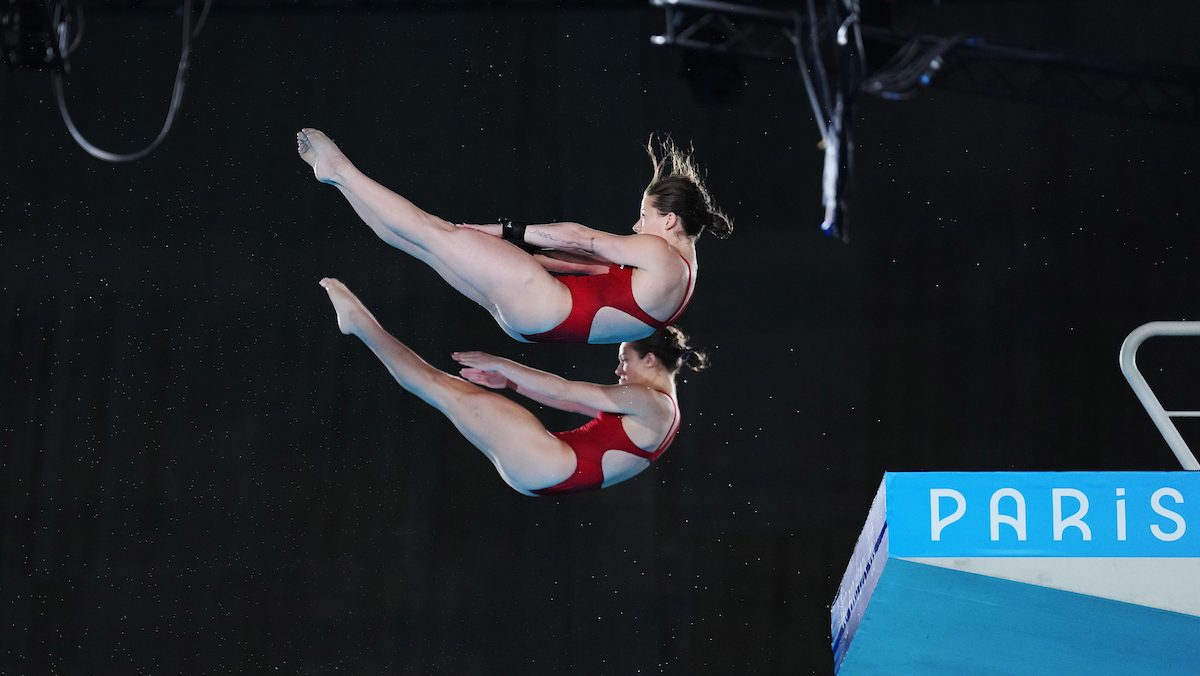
(590, 442)
(589, 293)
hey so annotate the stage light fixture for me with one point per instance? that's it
(37, 34)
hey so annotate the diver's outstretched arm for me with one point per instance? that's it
(611, 398)
(496, 381)
(639, 251)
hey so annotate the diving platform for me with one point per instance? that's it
(1024, 573)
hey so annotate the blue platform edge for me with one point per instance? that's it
(860, 577)
(1011, 514)
(933, 621)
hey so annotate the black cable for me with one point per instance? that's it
(855, 10)
(189, 34)
(838, 173)
(202, 19)
(830, 111)
(61, 26)
(817, 108)
(818, 60)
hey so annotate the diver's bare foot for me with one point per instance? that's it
(322, 154)
(352, 315)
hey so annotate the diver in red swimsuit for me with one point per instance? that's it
(580, 285)
(632, 423)
(592, 292)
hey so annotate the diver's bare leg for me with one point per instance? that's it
(524, 295)
(524, 453)
(376, 223)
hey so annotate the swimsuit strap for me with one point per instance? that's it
(671, 432)
(687, 297)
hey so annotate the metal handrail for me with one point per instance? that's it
(1160, 416)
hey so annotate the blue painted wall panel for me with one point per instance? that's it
(1109, 514)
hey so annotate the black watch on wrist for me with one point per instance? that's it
(514, 231)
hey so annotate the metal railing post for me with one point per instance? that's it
(1160, 416)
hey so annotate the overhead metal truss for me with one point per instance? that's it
(967, 64)
(735, 30)
(1161, 92)
(829, 46)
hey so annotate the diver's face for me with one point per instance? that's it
(650, 220)
(631, 368)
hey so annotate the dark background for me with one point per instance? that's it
(200, 474)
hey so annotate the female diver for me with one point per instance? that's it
(632, 423)
(583, 285)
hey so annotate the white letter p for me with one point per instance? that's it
(936, 522)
